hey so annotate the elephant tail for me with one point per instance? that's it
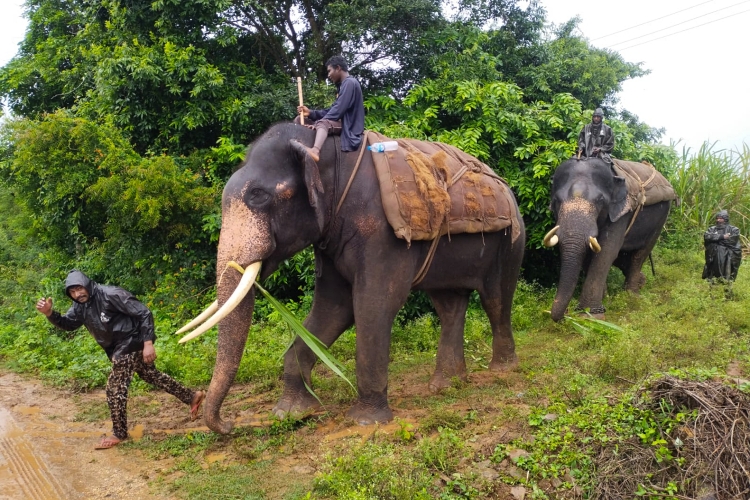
(651, 260)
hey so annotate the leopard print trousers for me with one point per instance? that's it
(119, 382)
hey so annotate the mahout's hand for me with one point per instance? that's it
(304, 110)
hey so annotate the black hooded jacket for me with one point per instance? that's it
(118, 321)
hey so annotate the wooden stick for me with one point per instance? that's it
(299, 92)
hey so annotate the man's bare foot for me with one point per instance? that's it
(314, 153)
(196, 404)
(108, 442)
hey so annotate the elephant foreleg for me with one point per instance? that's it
(331, 314)
(376, 303)
(451, 308)
(592, 293)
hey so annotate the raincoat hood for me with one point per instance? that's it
(77, 278)
(723, 214)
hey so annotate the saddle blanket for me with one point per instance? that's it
(430, 189)
(645, 184)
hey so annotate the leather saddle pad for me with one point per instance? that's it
(430, 189)
(645, 184)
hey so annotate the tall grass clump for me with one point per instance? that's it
(710, 180)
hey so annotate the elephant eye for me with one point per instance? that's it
(257, 196)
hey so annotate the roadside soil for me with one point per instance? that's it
(47, 437)
(46, 453)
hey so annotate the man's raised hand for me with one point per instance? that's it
(44, 306)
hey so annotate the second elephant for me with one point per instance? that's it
(594, 231)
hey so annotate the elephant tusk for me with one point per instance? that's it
(248, 278)
(550, 239)
(594, 245)
(200, 318)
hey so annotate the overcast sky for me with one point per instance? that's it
(699, 86)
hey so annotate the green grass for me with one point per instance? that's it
(585, 379)
(450, 440)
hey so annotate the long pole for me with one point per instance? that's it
(299, 92)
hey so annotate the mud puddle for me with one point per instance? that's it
(45, 455)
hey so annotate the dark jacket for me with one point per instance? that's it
(349, 108)
(118, 321)
(588, 139)
(723, 255)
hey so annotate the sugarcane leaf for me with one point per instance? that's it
(315, 345)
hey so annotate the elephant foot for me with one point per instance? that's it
(365, 414)
(440, 380)
(295, 405)
(504, 364)
(595, 315)
(634, 285)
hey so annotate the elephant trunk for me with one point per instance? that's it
(577, 223)
(233, 332)
(245, 239)
(572, 251)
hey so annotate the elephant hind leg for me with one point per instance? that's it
(634, 277)
(451, 308)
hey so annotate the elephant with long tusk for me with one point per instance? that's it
(596, 229)
(281, 201)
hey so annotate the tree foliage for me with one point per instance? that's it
(89, 194)
(135, 112)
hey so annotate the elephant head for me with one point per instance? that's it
(272, 207)
(586, 198)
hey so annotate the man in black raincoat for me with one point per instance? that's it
(124, 328)
(596, 138)
(723, 249)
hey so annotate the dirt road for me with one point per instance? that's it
(46, 455)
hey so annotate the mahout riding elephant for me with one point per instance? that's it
(594, 232)
(278, 203)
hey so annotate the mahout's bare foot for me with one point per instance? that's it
(195, 406)
(108, 442)
(314, 153)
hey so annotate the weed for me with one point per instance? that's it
(443, 451)
(442, 418)
(374, 471)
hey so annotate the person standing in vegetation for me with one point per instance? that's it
(124, 327)
(723, 249)
(347, 114)
(596, 138)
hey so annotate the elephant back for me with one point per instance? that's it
(430, 189)
(645, 185)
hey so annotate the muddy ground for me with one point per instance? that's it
(46, 453)
(47, 437)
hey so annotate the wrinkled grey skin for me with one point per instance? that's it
(280, 202)
(586, 201)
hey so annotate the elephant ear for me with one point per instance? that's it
(312, 180)
(617, 205)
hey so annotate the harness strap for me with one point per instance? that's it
(362, 148)
(427, 262)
